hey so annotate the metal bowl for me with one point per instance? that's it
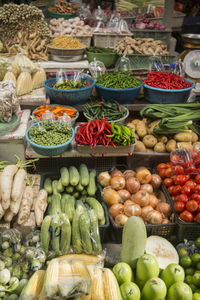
(191, 38)
(66, 52)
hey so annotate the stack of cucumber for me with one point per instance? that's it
(72, 221)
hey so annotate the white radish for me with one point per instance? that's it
(31, 220)
(2, 211)
(40, 206)
(18, 186)
(25, 206)
(0, 185)
(6, 184)
(8, 216)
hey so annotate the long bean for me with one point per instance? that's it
(118, 80)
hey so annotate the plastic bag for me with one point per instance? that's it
(60, 76)
(25, 64)
(47, 115)
(33, 239)
(85, 13)
(100, 27)
(123, 64)
(123, 27)
(11, 239)
(155, 64)
(184, 160)
(113, 24)
(96, 68)
(187, 248)
(179, 68)
(66, 278)
(99, 14)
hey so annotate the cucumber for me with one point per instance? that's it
(64, 176)
(84, 192)
(96, 205)
(49, 209)
(60, 187)
(49, 199)
(55, 226)
(54, 187)
(45, 233)
(84, 226)
(56, 205)
(84, 175)
(91, 189)
(82, 198)
(48, 185)
(70, 208)
(79, 187)
(74, 176)
(134, 237)
(64, 198)
(76, 237)
(65, 240)
(69, 189)
(76, 195)
(96, 241)
(79, 203)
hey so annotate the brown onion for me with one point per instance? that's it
(141, 198)
(164, 208)
(124, 194)
(132, 185)
(129, 173)
(110, 196)
(132, 210)
(140, 168)
(156, 181)
(153, 200)
(147, 187)
(121, 219)
(117, 182)
(145, 210)
(104, 179)
(116, 209)
(154, 217)
(128, 202)
(165, 221)
(116, 172)
(143, 175)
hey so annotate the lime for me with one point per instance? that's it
(196, 296)
(182, 252)
(189, 271)
(197, 242)
(186, 261)
(198, 266)
(195, 258)
(193, 287)
(196, 279)
(188, 279)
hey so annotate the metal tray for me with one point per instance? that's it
(191, 38)
(61, 58)
(66, 52)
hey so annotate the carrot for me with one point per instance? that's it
(39, 111)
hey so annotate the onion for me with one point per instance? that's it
(128, 202)
(164, 208)
(145, 210)
(154, 217)
(165, 221)
(156, 181)
(129, 173)
(144, 176)
(140, 168)
(147, 187)
(116, 172)
(121, 219)
(124, 194)
(110, 196)
(141, 198)
(116, 209)
(104, 179)
(117, 182)
(132, 185)
(153, 200)
(132, 210)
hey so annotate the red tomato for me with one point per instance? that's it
(193, 154)
(173, 198)
(186, 216)
(198, 170)
(192, 206)
(182, 198)
(197, 161)
(161, 166)
(197, 218)
(168, 165)
(190, 170)
(176, 190)
(180, 179)
(197, 178)
(178, 170)
(197, 188)
(168, 172)
(162, 173)
(179, 206)
(170, 189)
(186, 189)
(176, 160)
(168, 182)
(192, 184)
(195, 197)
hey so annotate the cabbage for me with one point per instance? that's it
(2, 265)
(4, 276)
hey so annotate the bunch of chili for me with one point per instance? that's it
(167, 81)
(95, 132)
(122, 135)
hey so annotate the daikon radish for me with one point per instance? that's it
(0, 185)
(19, 184)
(6, 184)
(40, 206)
(2, 212)
(25, 206)
(8, 216)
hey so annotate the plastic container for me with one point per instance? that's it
(84, 39)
(162, 35)
(109, 59)
(163, 96)
(48, 150)
(108, 40)
(68, 97)
(55, 15)
(123, 96)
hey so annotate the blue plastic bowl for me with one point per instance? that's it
(68, 97)
(163, 96)
(48, 150)
(123, 96)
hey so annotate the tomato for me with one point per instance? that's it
(198, 170)
(195, 197)
(190, 169)
(168, 172)
(182, 198)
(197, 218)
(186, 216)
(192, 184)
(176, 190)
(168, 182)
(180, 179)
(173, 198)
(197, 178)
(179, 206)
(176, 160)
(168, 165)
(193, 154)
(170, 189)
(197, 161)
(161, 166)
(186, 189)
(192, 206)
(197, 188)
(178, 170)
(162, 173)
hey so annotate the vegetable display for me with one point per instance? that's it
(63, 7)
(144, 23)
(66, 42)
(118, 80)
(57, 110)
(71, 84)
(168, 81)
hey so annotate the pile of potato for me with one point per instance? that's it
(147, 142)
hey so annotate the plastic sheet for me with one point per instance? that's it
(96, 68)
(123, 64)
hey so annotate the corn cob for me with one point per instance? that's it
(81, 275)
(87, 259)
(51, 279)
(97, 283)
(34, 286)
(111, 287)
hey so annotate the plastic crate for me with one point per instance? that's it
(84, 39)
(162, 35)
(108, 40)
(56, 15)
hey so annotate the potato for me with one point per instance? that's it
(141, 129)
(131, 125)
(135, 121)
(149, 150)
(149, 141)
(186, 145)
(151, 126)
(137, 137)
(194, 137)
(140, 147)
(163, 139)
(160, 147)
(171, 145)
(183, 137)
(196, 146)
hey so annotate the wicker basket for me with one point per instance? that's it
(162, 35)
(85, 40)
(108, 40)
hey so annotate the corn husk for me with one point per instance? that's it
(24, 84)
(38, 78)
